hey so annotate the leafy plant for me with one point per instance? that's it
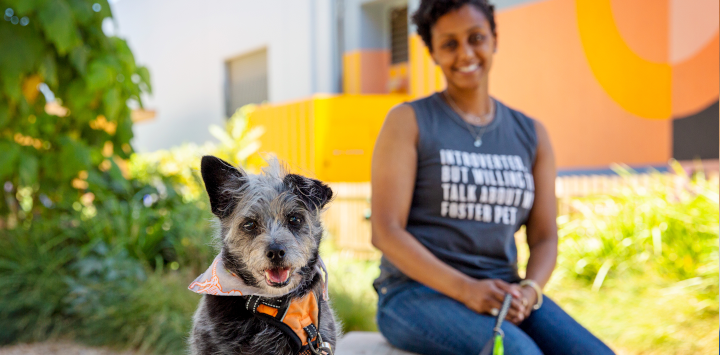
(180, 166)
(57, 145)
(668, 226)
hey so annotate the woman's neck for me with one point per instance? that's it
(472, 101)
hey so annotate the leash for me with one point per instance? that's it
(495, 346)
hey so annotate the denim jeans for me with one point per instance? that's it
(416, 318)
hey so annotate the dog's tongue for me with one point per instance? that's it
(278, 275)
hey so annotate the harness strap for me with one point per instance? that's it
(298, 318)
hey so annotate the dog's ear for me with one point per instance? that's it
(218, 176)
(312, 192)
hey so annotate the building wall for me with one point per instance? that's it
(614, 81)
(185, 45)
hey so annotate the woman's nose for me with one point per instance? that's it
(466, 51)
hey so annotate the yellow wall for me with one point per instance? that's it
(329, 137)
(425, 77)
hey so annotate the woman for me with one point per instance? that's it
(454, 176)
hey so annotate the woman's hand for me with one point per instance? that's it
(482, 296)
(529, 298)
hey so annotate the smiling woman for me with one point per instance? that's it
(454, 176)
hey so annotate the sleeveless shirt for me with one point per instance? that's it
(469, 201)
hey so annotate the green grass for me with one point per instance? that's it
(353, 297)
(640, 315)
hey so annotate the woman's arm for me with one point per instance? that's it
(394, 167)
(542, 235)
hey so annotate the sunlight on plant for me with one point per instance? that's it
(181, 165)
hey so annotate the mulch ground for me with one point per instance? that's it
(58, 348)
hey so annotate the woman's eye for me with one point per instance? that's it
(249, 226)
(295, 220)
(477, 38)
(450, 45)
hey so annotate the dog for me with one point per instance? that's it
(266, 284)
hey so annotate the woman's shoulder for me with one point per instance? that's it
(524, 122)
(410, 112)
(514, 113)
(524, 126)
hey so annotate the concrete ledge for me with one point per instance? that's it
(366, 343)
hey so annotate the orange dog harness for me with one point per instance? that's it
(299, 318)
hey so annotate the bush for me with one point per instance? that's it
(667, 229)
(113, 268)
(105, 273)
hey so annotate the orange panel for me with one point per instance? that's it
(692, 25)
(644, 25)
(544, 72)
(374, 71)
(695, 82)
(640, 86)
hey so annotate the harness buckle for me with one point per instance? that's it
(323, 349)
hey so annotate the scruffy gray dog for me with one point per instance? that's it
(270, 232)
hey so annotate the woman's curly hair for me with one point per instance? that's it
(431, 10)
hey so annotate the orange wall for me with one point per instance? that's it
(366, 71)
(606, 77)
(544, 72)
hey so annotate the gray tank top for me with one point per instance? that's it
(469, 201)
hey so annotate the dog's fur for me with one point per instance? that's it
(222, 325)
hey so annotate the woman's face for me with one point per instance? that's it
(463, 46)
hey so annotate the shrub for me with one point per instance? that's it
(666, 229)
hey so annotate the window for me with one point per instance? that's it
(247, 80)
(399, 35)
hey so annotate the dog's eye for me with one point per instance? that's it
(249, 226)
(295, 220)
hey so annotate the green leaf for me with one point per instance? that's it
(112, 102)
(48, 70)
(22, 49)
(100, 75)
(58, 24)
(74, 155)
(82, 10)
(145, 77)
(124, 128)
(79, 57)
(28, 169)
(4, 115)
(23, 7)
(11, 86)
(124, 53)
(10, 152)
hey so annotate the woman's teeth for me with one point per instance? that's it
(468, 69)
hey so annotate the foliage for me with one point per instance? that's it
(104, 273)
(89, 250)
(181, 165)
(668, 227)
(87, 78)
(353, 298)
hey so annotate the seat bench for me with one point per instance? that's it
(366, 343)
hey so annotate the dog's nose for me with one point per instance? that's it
(276, 252)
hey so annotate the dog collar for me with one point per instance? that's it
(218, 281)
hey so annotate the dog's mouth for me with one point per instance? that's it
(277, 277)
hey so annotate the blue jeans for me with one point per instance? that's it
(416, 318)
